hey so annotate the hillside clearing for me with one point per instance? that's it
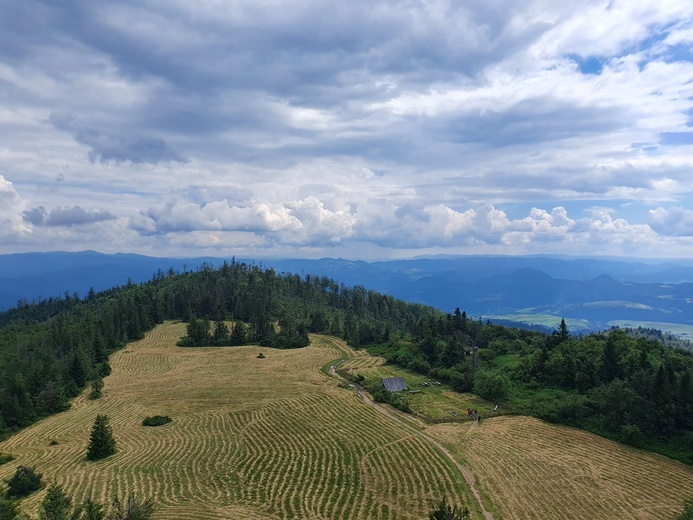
(527, 468)
(278, 438)
(250, 438)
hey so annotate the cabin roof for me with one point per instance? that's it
(394, 384)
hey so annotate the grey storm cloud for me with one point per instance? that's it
(224, 67)
(66, 217)
(119, 146)
(531, 121)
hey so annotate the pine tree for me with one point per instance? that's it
(9, 509)
(56, 505)
(446, 512)
(101, 444)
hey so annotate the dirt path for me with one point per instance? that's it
(466, 473)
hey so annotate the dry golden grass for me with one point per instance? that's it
(250, 438)
(531, 469)
(276, 438)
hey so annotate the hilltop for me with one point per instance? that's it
(592, 294)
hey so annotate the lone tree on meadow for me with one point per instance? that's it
(101, 443)
(445, 511)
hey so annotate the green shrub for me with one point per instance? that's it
(25, 481)
(444, 511)
(5, 458)
(631, 434)
(492, 386)
(156, 420)
(687, 513)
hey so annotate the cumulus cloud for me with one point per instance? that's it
(66, 216)
(674, 221)
(310, 223)
(11, 207)
(302, 222)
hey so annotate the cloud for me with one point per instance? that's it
(118, 145)
(530, 121)
(66, 217)
(309, 222)
(489, 227)
(11, 206)
(296, 126)
(302, 222)
(676, 221)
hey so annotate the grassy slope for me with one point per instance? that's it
(530, 469)
(277, 438)
(527, 468)
(250, 438)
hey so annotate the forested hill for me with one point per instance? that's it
(633, 389)
(51, 349)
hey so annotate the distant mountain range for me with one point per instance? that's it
(591, 293)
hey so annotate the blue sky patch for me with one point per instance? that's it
(676, 138)
(588, 64)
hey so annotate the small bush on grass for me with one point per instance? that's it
(25, 481)
(687, 513)
(96, 389)
(5, 458)
(58, 505)
(444, 511)
(156, 420)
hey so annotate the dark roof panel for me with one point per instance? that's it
(394, 384)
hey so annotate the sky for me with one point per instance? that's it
(362, 129)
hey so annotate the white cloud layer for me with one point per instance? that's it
(361, 129)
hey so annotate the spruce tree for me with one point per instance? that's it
(446, 512)
(57, 505)
(101, 444)
(9, 509)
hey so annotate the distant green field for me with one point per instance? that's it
(546, 320)
(618, 303)
(677, 329)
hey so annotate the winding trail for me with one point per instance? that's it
(466, 473)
